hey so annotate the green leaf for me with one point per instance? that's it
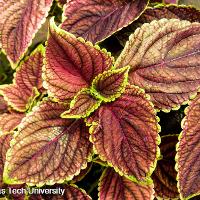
(82, 105)
(110, 85)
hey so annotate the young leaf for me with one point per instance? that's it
(188, 160)
(111, 84)
(164, 176)
(47, 149)
(127, 134)
(72, 192)
(164, 62)
(71, 63)
(27, 82)
(4, 146)
(9, 121)
(115, 187)
(82, 105)
(20, 20)
(195, 3)
(95, 20)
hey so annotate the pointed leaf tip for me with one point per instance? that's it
(71, 63)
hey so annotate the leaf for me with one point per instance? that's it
(171, 1)
(112, 186)
(164, 176)
(47, 149)
(127, 134)
(3, 105)
(188, 160)
(27, 82)
(4, 146)
(20, 20)
(159, 12)
(110, 85)
(95, 20)
(195, 3)
(72, 192)
(164, 62)
(10, 121)
(82, 105)
(71, 63)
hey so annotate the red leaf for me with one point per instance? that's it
(20, 20)
(47, 149)
(4, 146)
(95, 20)
(27, 82)
(112, 186)
(188, 160)
(127, 134)
(9, 121)
(71, 64)
(164, 62)
(164, 176)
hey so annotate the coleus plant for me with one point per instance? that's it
(71, 99)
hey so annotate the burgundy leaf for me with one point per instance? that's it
(20, 20)
(4, 146)
(164, 176)
(82, 105)
(47, 149)
(164, 62)
(127, 134)
(95, 20)
(10, 121)
(188, 160)
(112, 186)
(27, 82)
(71, 63)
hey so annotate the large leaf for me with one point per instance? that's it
(71, 63)
(47, 149)
(27, 82)
(95, 20)
(72, 192)
(20, 20)
(111, 84)
(9, 121)
(112, 186)
(164, 176)
(164, 62)
(188, 159)
(127, 134)
(82, 105)
(4, 146)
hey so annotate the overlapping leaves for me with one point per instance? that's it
(95, 20)
(20, 20)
